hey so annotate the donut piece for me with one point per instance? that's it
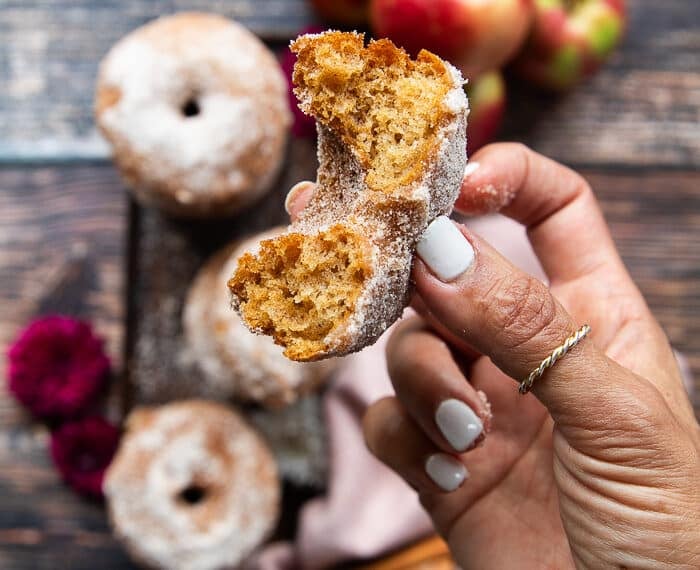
(192, 487)
(195, 108)
(392, 139)
(235, 362)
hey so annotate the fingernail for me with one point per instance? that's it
(445, 471)
(471, 168)
(294, 192)
(458, 423)
(445, 250)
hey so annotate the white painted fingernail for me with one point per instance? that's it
(445, 471)
(458, 423)
(471, 168)
(294, 192)
(445, 250)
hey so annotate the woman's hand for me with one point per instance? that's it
(599, 467)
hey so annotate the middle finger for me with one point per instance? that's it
(433, 389)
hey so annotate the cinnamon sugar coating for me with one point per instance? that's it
(392, 140)
(192, 487)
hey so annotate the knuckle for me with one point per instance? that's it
(522, 148)
(524, 310)
(641, 407)
(640, 431)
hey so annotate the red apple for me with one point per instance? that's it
(570, 39)
(487, 104)
(474, 35)
(348, 12)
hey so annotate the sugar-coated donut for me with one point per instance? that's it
(195, 108)
(235, 362)
(192, 487)
(392, 152)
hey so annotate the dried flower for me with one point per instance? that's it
(57, 367)
(82, 450)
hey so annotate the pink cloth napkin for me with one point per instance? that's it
(368, 511)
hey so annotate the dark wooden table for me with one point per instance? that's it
(70, 239)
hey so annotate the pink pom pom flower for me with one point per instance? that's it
(82, 450)
(57, 367)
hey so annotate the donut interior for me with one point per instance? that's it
(298, 288)
(387, 110)
(383, 104)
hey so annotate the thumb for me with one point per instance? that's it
(512, 318)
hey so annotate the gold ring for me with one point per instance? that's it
(557, 353)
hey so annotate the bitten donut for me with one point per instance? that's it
(392, 139)
(192, 487)
(235, 362)
(195, 108)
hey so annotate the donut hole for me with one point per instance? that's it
(190, 108)
(193, 494)
(299, 288)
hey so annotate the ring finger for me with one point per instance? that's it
(433, 389)
(396, 440)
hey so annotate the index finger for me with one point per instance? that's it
(556, 205)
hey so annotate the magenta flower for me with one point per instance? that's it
(57, 367)
(82, 450)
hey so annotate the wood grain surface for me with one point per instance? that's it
(70, 241)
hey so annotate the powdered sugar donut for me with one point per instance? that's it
(235, 362)
(195, 107)
(392, 153)
(192, 487)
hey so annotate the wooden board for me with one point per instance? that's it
(50, 50)
(642, 109)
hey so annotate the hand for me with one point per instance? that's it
(597, 468)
